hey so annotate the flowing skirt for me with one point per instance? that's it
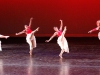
(62, 42)
(99, 35)
(31, 40)
(0, 46)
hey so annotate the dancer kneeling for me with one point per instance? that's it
(61, 39)
(30, 38)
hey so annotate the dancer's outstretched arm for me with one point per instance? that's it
(95, 29)
(61, 25)
(51, 37)
(30, 23)
(20, 32)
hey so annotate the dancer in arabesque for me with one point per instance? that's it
(62, 42)
(30, 37)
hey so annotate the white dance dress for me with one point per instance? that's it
(30, 38)
(62, 42)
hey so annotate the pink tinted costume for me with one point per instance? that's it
(95, 29)
(59, 33)
(62, 42)
(28, 30)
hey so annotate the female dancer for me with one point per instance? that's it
(97, 28)
(30, 38)
(2, 36)
(61, 39)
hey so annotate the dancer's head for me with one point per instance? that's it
(98, 23)
(55, 28)
(25, 26)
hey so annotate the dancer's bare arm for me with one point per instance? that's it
(95, 29)
(30, 23)
(20, 32)
(51, 37)
(61, 25)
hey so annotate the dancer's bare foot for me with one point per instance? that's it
(60, 56)
(7, 37)
(30, 53)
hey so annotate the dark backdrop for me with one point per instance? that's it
(78, 15)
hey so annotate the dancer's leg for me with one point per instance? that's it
(33, 44)
(2, 36)
(31, 47)
(64, 31)
(32, 33)
(62, 51)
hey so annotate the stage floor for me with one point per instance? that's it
(83, 59)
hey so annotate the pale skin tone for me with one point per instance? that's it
(97, 28)
(26, 26)
(55, 34)
(24, 31)
(2, 36)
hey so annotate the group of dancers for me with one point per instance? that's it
(62, 42)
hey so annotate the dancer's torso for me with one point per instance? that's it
(28, 30)
(59, 33)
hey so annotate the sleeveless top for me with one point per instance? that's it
(28, 30)
(59, 33)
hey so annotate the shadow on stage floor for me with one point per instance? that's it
(83, 59)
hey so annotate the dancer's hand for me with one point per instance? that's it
(31, 18)
(65, 27)
(90, 32)
(38, 29)
(47, 41)
(60, 20)
(16, 34)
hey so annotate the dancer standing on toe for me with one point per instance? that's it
(30, 38)
(61, 39)
(97, 28)
(2, 36)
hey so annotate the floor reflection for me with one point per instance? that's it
(16, 60)
(1, 67)
(64, 68)
(30, 66)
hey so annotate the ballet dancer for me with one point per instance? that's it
(2, 36)
(30, 38)
(62, 42)
(97, 28)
